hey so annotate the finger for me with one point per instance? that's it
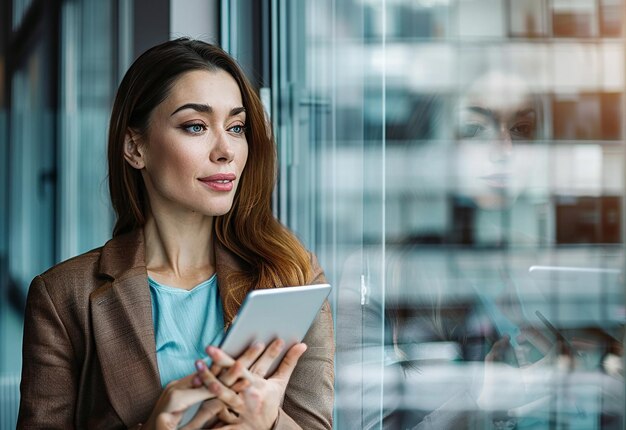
(289, 362)
(227, 416)
(179, 399)
(498, 349)
(208, 411)
(206, 377)
(219, 357)
(197, 382)
(185, 382)
(216, 369)
(182, 393)
(263, 364)
(241, 385)
(251, 354)
(229, 397)
(235, 373)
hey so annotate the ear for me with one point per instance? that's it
(133, 152)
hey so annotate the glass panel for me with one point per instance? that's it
(610, 18)
(31, 193)
(20, 7)
(469, 179)
(87, 72)
(574, 18)
(32, 171)
(528, 18)
(330, 126)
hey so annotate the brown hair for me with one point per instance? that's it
(272, 254)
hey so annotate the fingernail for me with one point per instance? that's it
(210, 349)
(200, 365)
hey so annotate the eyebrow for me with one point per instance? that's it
(204, 108)
(480, 110)
(490, 114)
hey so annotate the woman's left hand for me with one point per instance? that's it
(246, 392)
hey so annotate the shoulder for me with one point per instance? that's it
(75, 277)
(76, 268)
(86, 272)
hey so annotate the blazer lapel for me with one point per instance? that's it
(124, 331)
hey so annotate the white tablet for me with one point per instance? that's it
(265, 315)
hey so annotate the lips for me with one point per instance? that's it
(219, 181)
(497, 180)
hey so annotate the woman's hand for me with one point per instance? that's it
(180, 395)
(241, 385)
(516, 391)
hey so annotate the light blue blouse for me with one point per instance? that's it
(185, 322)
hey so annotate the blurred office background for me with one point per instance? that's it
(457, 166)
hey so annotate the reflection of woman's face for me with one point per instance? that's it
(497, 124)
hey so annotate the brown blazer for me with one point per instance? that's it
(89, 354)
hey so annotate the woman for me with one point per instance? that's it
(191, 172)
(445, 306)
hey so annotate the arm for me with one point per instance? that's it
(49, 370)
(309, 396)
(310, 392)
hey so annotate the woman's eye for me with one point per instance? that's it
(469, 130)
(194, 128)
(523, 131)
(238, 129)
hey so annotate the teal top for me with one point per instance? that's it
(185, 322)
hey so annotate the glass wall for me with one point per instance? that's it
(88, 81)
(62, 63)
(457, 165)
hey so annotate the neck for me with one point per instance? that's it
(178, 250)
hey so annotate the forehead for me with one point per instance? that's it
(499, 93)
(215, 88)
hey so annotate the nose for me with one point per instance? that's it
(222, 150)
(502, 146)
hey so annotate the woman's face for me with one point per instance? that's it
(195, 149)
(496, 153)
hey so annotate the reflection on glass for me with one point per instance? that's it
(495, 154)
(498, 293)
(528, 18)
(574, 18)
(475, 179)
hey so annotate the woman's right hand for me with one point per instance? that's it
(244, 386)
(179, 395)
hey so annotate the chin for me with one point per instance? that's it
(494, 202)
(218, 210)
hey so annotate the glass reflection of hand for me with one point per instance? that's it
(515, 392)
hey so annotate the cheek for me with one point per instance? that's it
(472, 158)
(531, 165)
(244, 157)
(170, 163)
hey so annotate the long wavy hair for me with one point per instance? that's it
(272, 255)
